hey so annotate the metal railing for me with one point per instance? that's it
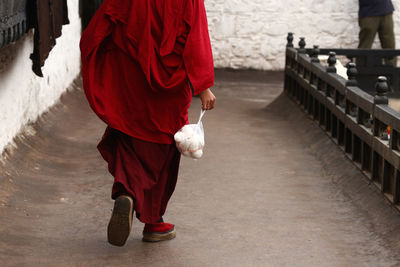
(361, 124)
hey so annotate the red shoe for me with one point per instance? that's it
(120, 224)
(156, 232)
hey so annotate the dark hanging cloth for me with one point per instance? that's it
(48, 18)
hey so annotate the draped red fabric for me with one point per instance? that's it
(138, 57)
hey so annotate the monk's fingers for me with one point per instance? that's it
(212, 103)
(208, 104)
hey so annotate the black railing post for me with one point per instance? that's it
(288, 84)
(381, 88)
(352, 74)
(331, 63)
(302, 45)
(289, 39)
(379, 130)
(314, 54)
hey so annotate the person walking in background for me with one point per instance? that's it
(376, 16)
(142, 60)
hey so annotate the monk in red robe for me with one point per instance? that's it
(142, 60)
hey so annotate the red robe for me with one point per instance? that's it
(137, 59)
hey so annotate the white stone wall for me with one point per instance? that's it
(252, 33)
(24, 96)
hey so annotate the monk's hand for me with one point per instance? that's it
(207, 99)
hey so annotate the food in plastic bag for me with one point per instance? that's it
(190, 139)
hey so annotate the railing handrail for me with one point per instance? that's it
(384, 52)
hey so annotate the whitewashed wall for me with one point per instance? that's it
(251, 33)
(24, 96)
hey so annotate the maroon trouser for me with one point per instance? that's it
(146, 171)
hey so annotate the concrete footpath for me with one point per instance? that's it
(271, 190)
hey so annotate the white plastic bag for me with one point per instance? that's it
(190, 139)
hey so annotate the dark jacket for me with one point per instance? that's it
(48, 18)
(370, 8)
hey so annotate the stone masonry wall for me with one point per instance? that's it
(252, 33)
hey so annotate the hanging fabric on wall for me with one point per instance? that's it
(48, 18)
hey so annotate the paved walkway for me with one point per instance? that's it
(271, 190)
